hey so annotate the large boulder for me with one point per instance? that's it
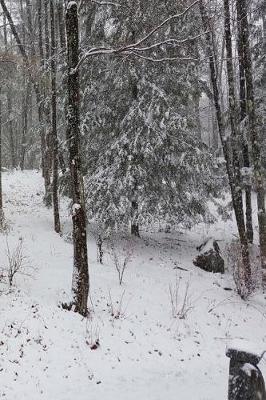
(210, 259)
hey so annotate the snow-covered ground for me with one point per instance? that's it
(144, 353)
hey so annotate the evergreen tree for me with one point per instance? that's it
(142, 148)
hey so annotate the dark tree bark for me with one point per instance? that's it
(80, 283)
(54, 122)
(236, 197)
(134, 224)
(244, 37)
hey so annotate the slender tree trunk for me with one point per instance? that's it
(61, 24)
(25, 98)
(11, 131)
(1, 192)
(24, 123)
(244, 37)
(236, 198)
(245, 148)
(54, 122)
(9, 107)
(62, 40)
(43, 110)
(80, 283)
(134, 216)
(46, 30)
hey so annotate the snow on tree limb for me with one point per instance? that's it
(133, 48)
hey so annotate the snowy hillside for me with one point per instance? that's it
(131, 346)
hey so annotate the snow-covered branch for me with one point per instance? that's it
(133, 49)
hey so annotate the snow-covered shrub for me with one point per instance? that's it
(16, 262)
(180, 300)
(120, 258)
(117, 308)
(92, 334)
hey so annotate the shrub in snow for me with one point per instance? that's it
(116, 308)
(120, 259)
(16, 262)
(180, 301)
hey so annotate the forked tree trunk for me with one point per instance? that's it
(244, 37)
(236, 198)
(57, 227)
(80, 285)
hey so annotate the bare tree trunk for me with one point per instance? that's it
(244, 37)
(236, 198)
(54, 122)
(62, 40)
(61, 24)
(80, 285)
(134, 216)
(9, 107)
(25, 98)
(24, 123)
(46, 31)
(245, 148)
(43, 109)
(11, 131)
(1, 192)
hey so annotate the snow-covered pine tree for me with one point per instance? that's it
(144, 158)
